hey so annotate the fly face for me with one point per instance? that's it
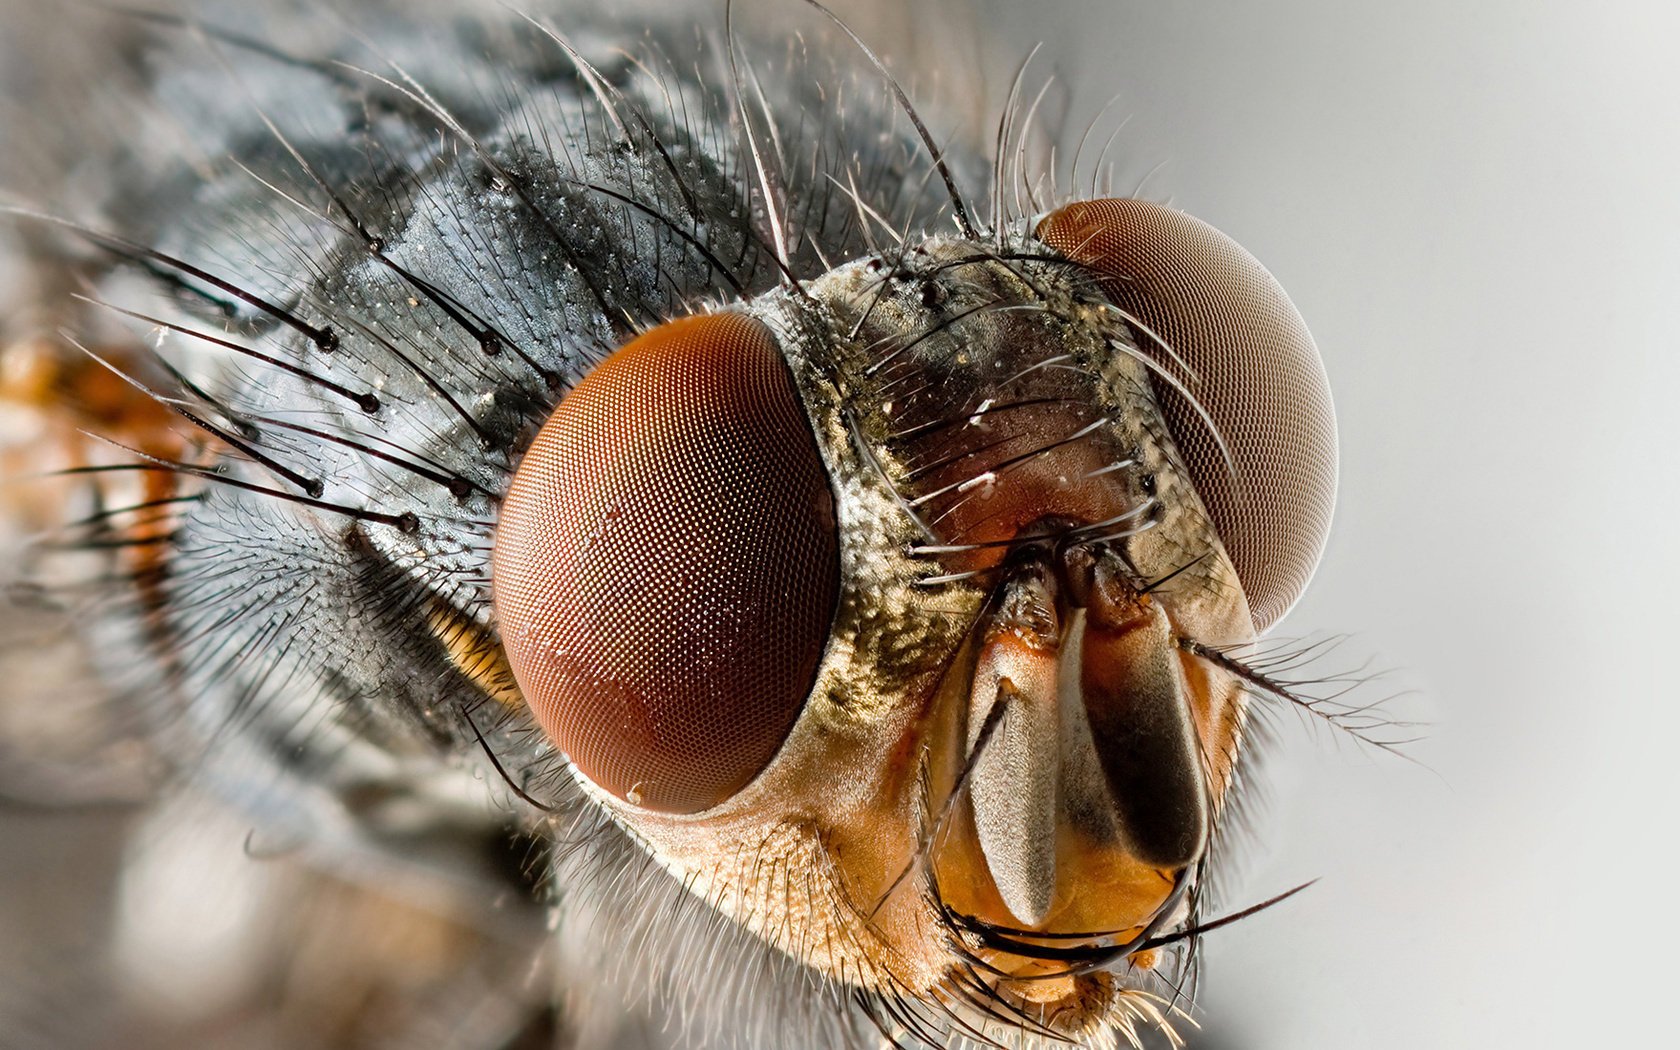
(886, 611)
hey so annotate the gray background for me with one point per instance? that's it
(1476, 208)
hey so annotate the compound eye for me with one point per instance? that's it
(1244, 353)
(666, 565)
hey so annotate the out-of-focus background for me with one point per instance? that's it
(1475, 207)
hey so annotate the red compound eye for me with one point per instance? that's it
(666, 565)
(1255, 370)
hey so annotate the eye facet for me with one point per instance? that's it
(1245, 354)
(666, 565)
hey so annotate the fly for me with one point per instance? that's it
(848, 577)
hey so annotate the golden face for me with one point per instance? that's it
(880, 611)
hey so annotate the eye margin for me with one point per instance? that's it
(1241, 349)
(680, 734)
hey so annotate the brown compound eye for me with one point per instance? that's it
(666, 565)
(1244, 353)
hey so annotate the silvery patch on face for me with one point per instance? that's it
(833, 555)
